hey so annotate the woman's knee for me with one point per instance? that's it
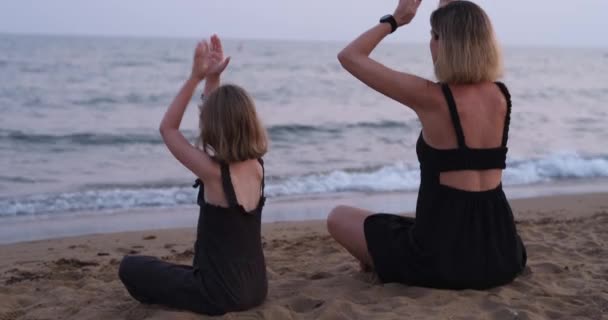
(335, 217)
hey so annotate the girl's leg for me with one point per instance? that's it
(345, 224)
(153, 281)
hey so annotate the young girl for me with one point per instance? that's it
(229, 271)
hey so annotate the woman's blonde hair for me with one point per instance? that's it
(468, 51)
(230, 130)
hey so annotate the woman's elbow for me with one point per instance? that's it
(343, 57)
(346, 59)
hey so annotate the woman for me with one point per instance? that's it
(228, 272)
(464, 235)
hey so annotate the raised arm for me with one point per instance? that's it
(208, 61)
(410, 90)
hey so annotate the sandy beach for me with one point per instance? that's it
(312, 278)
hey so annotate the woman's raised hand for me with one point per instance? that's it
(209, 60)
(406, 11)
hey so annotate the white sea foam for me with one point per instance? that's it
(397, 177)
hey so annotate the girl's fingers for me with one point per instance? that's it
(213, 43)
(217, 43)
(204, 48)
(224, 64)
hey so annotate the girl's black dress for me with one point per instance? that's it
(228, 272)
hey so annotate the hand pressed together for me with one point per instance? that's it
(209, 59)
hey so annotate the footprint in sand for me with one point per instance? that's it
(18, 276)
(11, 315)
(184, 255)
(78, 246)
(319, 275)
(304, 304)
(74, 263)
(127, 251)
(506, 313)
(547, 267)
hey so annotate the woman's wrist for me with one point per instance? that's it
(194, 79)
(400, 21)
(386, 27)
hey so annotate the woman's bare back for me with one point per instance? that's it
(482, 109)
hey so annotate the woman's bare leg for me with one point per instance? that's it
(345, 224)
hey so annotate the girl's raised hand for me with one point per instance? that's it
(209, 59)
(217, 61)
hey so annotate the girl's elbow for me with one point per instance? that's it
(164, 130)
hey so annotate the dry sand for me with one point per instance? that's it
(311, 277)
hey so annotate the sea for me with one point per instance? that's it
(79, 121)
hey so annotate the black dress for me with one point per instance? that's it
(459, 239)
(228, 272)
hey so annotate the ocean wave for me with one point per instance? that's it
(96, 101)
(277, 133)
(83, 139)
(96, 200)
(396, 177)
(17, 180)
(400, 177)
(131, 63)
(338, 128)
(132, 98)
(173, 60)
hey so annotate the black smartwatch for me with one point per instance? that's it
(391, 20)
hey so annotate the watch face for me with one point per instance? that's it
(386, 17)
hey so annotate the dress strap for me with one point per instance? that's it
(261, 161)
(227, 184)
(505, 92)
(200, 200)
(449, 97)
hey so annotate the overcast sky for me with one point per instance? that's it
(518, 22)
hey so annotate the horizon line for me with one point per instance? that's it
(187, 37)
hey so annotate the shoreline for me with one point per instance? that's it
(285, 209)
(282, 209)
(312, 277)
